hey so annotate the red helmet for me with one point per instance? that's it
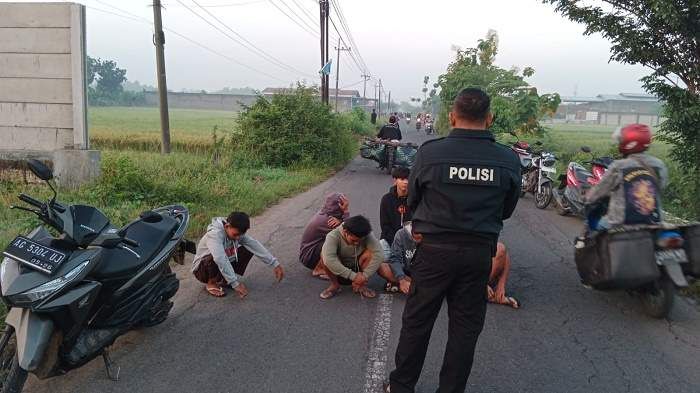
(633, 138)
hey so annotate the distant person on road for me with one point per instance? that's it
(224, 252)
(404, 247)
(373, 117)
(393, 209)
(390, 131)
(334, 211)
(350, 256)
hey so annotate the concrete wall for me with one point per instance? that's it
(42, 95)
(224, 102)
(42, 80)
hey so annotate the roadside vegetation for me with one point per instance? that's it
(221, 167)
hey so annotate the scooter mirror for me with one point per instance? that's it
(585, 149)
(538, 143)
(39, 169)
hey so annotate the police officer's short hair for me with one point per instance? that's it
(400, 172)
(358, 226)
(472, 104)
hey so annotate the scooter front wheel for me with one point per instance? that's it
(12, 376)
(658, 298)
(544, 196)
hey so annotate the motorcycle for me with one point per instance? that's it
(649, 262)
(539, 179)
(389, 154)
(523, 151)
(429, 130)
(70, 297)
(418, 125)
(577, 181)
(408, 120)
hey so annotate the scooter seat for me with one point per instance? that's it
(127, 260)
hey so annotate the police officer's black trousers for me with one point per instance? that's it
(458, 273)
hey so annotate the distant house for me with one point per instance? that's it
(610, 109)
(347, 99)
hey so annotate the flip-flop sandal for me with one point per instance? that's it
(216, 292)
(322, 276)
(513, 302)
(327, 294)
(391, 288)
(367, 293)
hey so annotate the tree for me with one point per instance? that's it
(663, 35)
(105, 84)
(517, 105)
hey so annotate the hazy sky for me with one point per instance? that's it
(400, 41)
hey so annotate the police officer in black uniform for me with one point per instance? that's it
(461, 189)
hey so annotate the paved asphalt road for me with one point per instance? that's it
(283, 338)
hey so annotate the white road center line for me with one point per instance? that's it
(379, 342)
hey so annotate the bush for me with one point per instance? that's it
(294, 128)
(358, 122)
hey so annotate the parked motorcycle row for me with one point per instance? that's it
(650, 262)
(71, 296)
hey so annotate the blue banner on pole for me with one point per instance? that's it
(326, 70)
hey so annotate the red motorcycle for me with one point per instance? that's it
(577, 181)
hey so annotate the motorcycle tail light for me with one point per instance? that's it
(598, 171)
(571, 178)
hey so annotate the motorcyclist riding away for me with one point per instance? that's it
(390, 131)
(633, 184)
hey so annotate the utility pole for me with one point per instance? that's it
(322, 9)
(380, 97)
(337, 72)
(389, 102)
(375, 95)
(326, 14)
(365, 78)
(159, 42)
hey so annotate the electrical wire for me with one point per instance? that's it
(255, 49)
(137, 18)
(346, 28)
(306, 29)
(311, 26)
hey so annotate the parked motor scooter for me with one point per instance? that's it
(577, 181)
(70, 297)
(524, 152)
(539, 179)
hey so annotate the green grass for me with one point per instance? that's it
(132, 128)
(133, 182)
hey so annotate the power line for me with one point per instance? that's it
(359, 67)
(313, 19)
(306, 29)
(346, 28)
(311, 26)
(227, 5)
(138, 18)
(253, 48)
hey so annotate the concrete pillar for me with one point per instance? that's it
(72, 168)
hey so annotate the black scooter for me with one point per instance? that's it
(69, 297)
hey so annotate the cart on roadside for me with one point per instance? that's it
(389, 154)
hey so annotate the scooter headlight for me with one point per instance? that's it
(46, 289)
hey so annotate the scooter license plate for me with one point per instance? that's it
(36, 256)
(550, 170)
(668, 257)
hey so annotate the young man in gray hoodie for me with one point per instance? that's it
(223, 254)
